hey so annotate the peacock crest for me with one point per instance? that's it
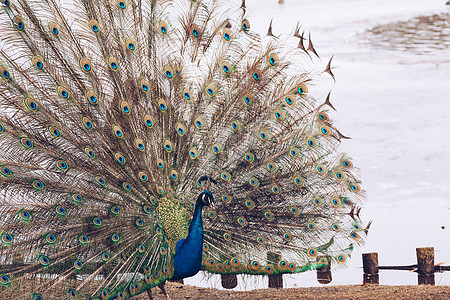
(116, 115)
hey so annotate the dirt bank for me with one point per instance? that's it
(178, 291)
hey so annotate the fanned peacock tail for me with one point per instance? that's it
(111, 113)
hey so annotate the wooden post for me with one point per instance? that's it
(275, 281)
(425, 265)
(370, 267)
(229, 281)
(324, 273)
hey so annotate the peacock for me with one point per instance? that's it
(145, 140)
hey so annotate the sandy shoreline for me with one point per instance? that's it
(179, 291)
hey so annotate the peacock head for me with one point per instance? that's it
(205, 199)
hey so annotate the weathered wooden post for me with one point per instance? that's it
(370, 268)
(229, 281)
(425, 265)
(324, 273)
(275, 281)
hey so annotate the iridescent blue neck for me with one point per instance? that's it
(188, 252)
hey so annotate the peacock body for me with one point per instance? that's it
(141, 140)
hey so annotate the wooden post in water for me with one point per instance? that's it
(275, 281)
(229, 281)
(324, 273)
(425, 265)
(370, 268)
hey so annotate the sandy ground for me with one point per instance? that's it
(178, 291)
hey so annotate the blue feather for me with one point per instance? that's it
(188, 252)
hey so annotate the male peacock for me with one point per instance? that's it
(122, 121)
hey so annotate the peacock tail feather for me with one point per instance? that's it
(110, 114)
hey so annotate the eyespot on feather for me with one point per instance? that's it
(113, 64)
(139, 144)
(311, 142)
(245, 25)
(168, 72)
(37, 185)
(38, 62)
(289, 100)
(5, 3)
(125, 108)
(226, 67)
(249, 204)
(186, 94)
(163, 27)
(130, 44)
(126, 186)
(227, 34)
(294, 152)
(321, 169)
(273, 59)
(30, 104)
(195, 30)
(85, 65)
(63, 92)
(249, 157)
(92, 98)
(269, 216)
(247, 99)
(256, 75)
(117, 131)
(160, 164)
(216, 148)
(89, 152)
(121, 4)
(87, 123)
(235, 125)
(162, 105)
(100, 180)
(339, 175)
(93, 24)
(264, 134)
(18, 23)
(181, 129)
(26, 142)
(253, 181)
(4, 73)
(144, 85)
(271, 166)
(120, 158)
(54, 28)
(299, 180)
(174, 175)
(346, 163)
(325, 130)
(62, 165)
(148, 121)
(323, 117)
(302, 89)
(168, 146)
(354, 187)
(5, 171)
(199, 122)
(279, 114)
(225, 176)
(226, 198)
(211, 89)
